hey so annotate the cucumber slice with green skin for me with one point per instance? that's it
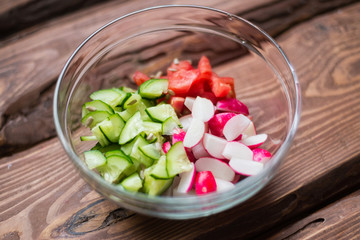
(162, 112)
(103, 140)
(152, 127)
(138, 155)
(151, 151)
(88, 138)
(130, 111)
(116, 152)
(112, 127)
(96, 105)
(127, 148)
(153, 88)
(148, 102)
(94, 159)
(168, 126)
(110, 96)
(127, 89)
(133, 100)
(115, 167)
(177, 160)
(132, 128)
(91, 119)
(132, 183)
(158, 170)
(154, 187)
(105, 149)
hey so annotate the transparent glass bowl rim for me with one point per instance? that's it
(241, 186)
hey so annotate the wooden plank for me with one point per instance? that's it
(42, 196)
(340, 221)
(32, 60)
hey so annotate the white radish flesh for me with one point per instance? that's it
(203, 109)
(237, 150)
(223, 185)
(254, 141)
(199, 151)
(249, 131)
(187, 180)
(195, 133)
(185, 121)
(218, 168)
(245, 167)
(235, 126)
(189, 102)
(214, 145)
(217, 123)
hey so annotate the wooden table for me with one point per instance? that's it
(316, 194)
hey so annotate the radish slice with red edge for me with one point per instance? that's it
(218, 168)
(178, 135)
(235, 126)
(237, 150)
(203, 109)
(166, 146)
(217, 123)
(189, 102)
(261, 155)
(245, 167)
(205, 183)
(222, 185)
(195, 133)
(254, 141)
(232, 105)
(199, 151)
(186, 180)
(185, 121)
(214, 145)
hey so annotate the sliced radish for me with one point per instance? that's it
(187, 180)
(195, 133)
(205, 183)
(237, 150)
(235, 126)
(203, 109)
(217, 123)
(236, 178)
(189, 102)
(245, 167)
(214, 145)
(199, 151)
(254, 141)
(249, 131)
(223, 185)
(178, 135)
(232, 105)
(218, 168)
(261, 155)
(190, 155)
(185, 121)
(166, 146)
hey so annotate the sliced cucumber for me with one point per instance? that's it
(112, 127)
(153, 88)
(133, 100)
(127, 89)
(109, 96)
(132, 128)
(168, 126)
(94, 159)
(177, 160)
(152, 127)
(115, 167)
(132, 183)
(88, 138)
(162, 112)
(116, 152)
(105, 149)
(103, 140)
(138, 155)
(151, 151)
(96, 105)
(91, 119)
(158, 170)
(127, 148)
(153, 186)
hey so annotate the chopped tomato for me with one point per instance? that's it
(139, 78)
(177, 103)
(218, 87)
(174, 67)
(204, 68)
(228, 80)
(181, 81)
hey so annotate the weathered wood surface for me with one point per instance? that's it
(32, 59)
(42, 196)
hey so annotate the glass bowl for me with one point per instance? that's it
(148, 40)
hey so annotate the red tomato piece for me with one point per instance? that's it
(177, 103)
(219, 88)
(174, 67)
(181, 81)
(204, 68)
(139, 78)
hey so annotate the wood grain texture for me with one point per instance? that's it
(32, 60)
(42, 197)
(340, 220)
